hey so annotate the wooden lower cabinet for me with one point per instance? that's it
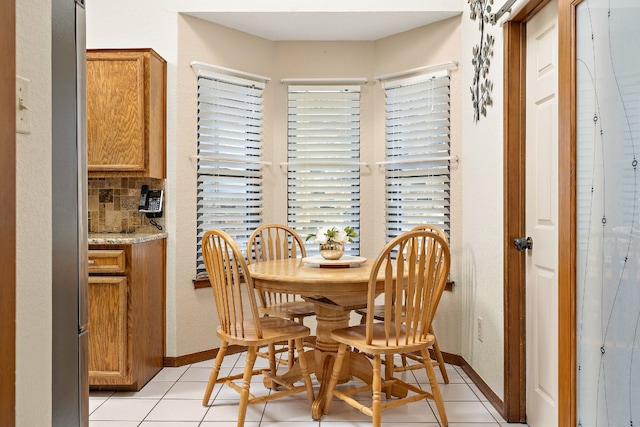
(126, 314)
(108, 328)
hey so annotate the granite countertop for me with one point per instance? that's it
(123, 238)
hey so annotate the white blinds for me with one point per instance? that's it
(229, 158)
(417, 153)
(323, 178)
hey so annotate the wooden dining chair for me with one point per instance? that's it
(423, 259)
(379, 315)
(241, 324)
(277, 241)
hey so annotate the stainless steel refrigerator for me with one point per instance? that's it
(70, 388)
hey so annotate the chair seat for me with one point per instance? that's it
(378, 312)
(355, 336)
(290, 310)
(273, 329)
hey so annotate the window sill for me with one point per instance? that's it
(201, 282)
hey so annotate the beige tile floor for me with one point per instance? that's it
(173, 399)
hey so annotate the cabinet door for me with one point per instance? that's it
(108, 353)
(116, 112)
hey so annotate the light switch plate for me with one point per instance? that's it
(23, 114)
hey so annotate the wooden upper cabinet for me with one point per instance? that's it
(126, 113)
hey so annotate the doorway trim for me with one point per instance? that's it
(514, 205)
(567, 367)
(8, 213)
(514, 407)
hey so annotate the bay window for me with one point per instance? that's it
(417, 153)
(323, 160)
(229, 159)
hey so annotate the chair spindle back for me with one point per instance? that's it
(231, 283)
(422, 259)
(274, 241)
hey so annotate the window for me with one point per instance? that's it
(323, 157)
(417, 154)
(229, 158)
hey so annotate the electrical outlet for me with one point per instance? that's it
(23, 114)
(480, 329)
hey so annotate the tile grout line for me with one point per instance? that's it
(261, 421)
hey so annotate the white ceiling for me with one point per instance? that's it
(330, 26)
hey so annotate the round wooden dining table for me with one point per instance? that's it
(334, 293)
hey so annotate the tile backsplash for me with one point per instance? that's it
(113, 205)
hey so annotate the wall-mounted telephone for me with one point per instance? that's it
(150, 202)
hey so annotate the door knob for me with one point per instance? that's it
(523, 243)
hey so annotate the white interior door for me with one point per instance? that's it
(542, 217)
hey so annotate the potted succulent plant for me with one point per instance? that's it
(332, 240)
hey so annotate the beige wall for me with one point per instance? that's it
(200, 41)
(33, 219)
(434, 44)
(324, 60)
(481, 253)
(126, 24)
(478, 213)
(477, 180)
(278, 60)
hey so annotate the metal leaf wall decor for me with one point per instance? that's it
(481, 87)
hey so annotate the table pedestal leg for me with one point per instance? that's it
(328, 319)
(321, 359)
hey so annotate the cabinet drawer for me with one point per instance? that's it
(106, 261)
